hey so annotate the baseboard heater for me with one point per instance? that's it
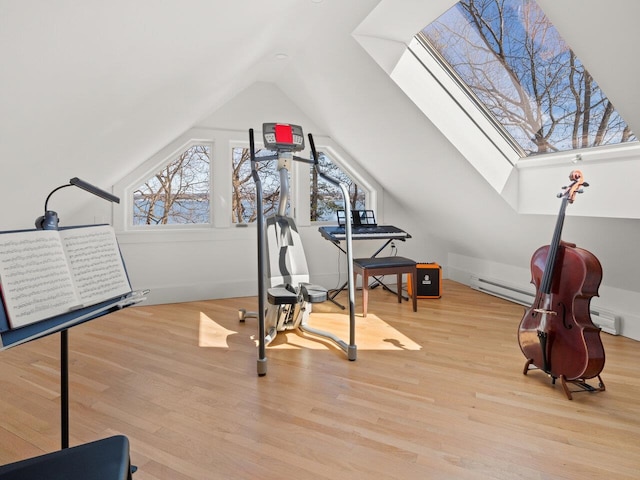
(609, 322)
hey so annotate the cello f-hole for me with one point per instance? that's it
(565, 322)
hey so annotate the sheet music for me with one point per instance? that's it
(36, 283)
(44, 273)
(95, 263)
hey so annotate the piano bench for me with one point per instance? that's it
(106, 459)
(373, 266)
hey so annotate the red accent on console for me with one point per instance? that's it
(284, 133)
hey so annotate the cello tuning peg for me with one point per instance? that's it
(585, 184)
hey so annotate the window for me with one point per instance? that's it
(326, 198)
(244, 188)
(180, 187)
(177, 194)
(514, 66)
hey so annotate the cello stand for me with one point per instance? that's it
(584, 386)
(579, 382)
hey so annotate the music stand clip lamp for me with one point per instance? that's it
(49, 221)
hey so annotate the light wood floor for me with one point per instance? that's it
(437, 394)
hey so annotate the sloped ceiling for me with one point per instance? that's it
(93, 88)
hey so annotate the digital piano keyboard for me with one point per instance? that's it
(382, 232)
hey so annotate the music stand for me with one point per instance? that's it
(10, 337)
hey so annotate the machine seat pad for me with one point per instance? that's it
(313, 293)
(280, 295)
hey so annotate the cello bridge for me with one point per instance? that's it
(544, 311)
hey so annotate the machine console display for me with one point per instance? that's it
(283, 137)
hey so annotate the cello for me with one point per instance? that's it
(556, 333)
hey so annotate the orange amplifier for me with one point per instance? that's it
(429, 281)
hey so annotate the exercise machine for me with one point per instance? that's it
(285, 296)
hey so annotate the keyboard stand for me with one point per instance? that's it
(328, 235)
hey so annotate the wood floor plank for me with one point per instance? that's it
(435, 394)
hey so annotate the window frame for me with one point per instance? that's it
(349, 166)
(467, 126)
(259, 145)
(365, 191)
(222, 143)
(123, 214)
(495, 127)
(161, 165)
(419, 75)
(300, 185)
(467, 100)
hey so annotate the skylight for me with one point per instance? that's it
(515, 69)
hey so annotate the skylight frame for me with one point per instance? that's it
(429, 86)
(557, 146)
(464, 89)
